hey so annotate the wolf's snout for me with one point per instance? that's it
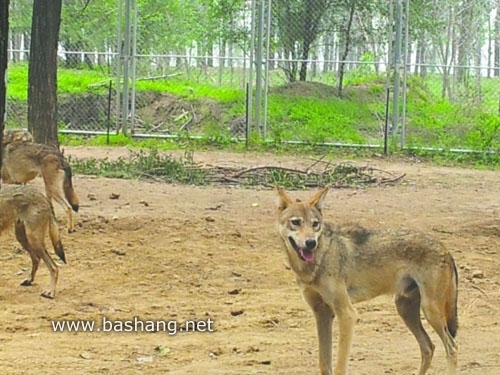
(310, 244)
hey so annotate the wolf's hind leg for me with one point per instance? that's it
(35, 241)
(408, 307)
(435, 314)
(35, 259)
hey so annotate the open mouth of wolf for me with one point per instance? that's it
(307, 255)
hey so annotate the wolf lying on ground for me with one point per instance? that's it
(32, 215)
(23, 160)
(338, 266)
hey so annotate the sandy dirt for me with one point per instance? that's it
(175, 253)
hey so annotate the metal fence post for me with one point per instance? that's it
(405, 73)
(126, 69)
(258, 64)
(397, 68)
(249, 97)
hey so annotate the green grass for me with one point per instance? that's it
(17, 77)
(465, 123)
(69, 81)
(313, 120)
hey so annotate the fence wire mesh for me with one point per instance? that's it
(318, 71)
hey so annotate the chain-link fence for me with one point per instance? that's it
(321, 71)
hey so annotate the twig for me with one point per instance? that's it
(316, 161)
(379, 170)
(185, 124)
(480, 289)
(267, 167)
(154, 178)
(392, 180)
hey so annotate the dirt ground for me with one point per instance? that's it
(176, 253)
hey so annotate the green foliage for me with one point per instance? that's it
(88, 24)
(112, 140)
(485, 133)
(149, 163)
(435, 122)
(454, 158)
(340, 175)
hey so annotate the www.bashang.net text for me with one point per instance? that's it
(171, 327)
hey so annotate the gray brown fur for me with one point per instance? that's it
(25, 160)
(16, 135)
(32, 215)
(338, 266)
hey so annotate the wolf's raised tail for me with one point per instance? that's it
(451, 305)
(69, 192)
(54, 236)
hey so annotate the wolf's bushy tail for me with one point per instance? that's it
(452, 309)
(54, 236)
(69, 192)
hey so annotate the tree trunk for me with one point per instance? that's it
(327, 42)
(421, 57)
(16, 43)
(448, 52)
(464, 44)
(42, 71)
(346, 50)
(27, 41)
(308, 38)
(478, 96)
(4, 40)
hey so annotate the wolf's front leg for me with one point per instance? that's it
(324, 317)
(347, 317)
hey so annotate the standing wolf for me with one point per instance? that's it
(23, 160)
(31, 213)
(336, 267)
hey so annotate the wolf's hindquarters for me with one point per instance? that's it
(439, 304)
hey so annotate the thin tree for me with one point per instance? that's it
(4, 37)
(347, 45)
(299, 24)
(42, 71)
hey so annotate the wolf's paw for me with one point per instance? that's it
(50, 294)
(27, 282)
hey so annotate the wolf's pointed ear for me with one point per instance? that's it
(318, 198)
(283, 199)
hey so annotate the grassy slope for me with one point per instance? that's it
(314, 113)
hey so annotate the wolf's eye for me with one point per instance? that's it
(295, 222)
(315, 224)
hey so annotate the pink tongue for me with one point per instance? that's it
(307, 255)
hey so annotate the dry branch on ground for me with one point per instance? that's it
(320, 173)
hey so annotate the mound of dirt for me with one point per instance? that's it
(168, 114)
(159, 113)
